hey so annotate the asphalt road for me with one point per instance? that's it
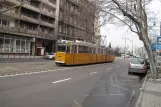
(100, 85)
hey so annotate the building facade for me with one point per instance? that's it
(76, 20)
(33, 26)
(97, 30)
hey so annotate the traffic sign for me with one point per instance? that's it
(153, 47)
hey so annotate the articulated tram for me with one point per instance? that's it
(77, 53)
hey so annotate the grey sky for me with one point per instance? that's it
(115, 34)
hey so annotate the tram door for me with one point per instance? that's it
(73, 51)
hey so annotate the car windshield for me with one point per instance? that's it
(51, 54)
(137, 61)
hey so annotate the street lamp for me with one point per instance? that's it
(125, 46)
(103, 41)
(132, 46)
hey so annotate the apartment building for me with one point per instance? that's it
(76, 20)
(27, 28)
(34, 25)
(97, 30)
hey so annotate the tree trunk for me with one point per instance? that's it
(147, 45)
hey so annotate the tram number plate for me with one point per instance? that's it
(59, 57)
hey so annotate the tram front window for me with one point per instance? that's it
(62, 48)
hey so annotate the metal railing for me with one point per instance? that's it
(49, 3)
(47, 24)
(30, 19)
(31, 7)
(11, 14)
(13, 1)
(48, 14)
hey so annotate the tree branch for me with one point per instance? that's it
(125, 13)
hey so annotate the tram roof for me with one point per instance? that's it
(82, 43)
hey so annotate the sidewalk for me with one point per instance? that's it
(26, 67)
(19, 56)
(150, 95)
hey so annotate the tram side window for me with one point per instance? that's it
(94, 50)
(68, 49)
(80, 49)
(102, 51)
(90, 50)
(74, 49)
(86, 49)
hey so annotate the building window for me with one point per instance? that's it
(1, 44)
(14, 44)
(7, 45)
(60, 28)
(4, 22)
(18, 46)
(23, 45)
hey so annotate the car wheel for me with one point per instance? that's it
(129, 73)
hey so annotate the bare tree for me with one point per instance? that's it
(135, 15)
(117, 51)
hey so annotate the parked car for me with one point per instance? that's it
(50, 56)
(138, 65)
(148, 63)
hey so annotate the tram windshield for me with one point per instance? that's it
(62, 48)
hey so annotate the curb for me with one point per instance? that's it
(139, 100)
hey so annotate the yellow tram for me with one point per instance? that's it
(76, 53)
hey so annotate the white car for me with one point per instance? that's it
(138, 65)
(50, 56)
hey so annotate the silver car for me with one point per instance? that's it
(138, 65)
(50, 56)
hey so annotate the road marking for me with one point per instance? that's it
(116, 94)
(108, 69)
(118, 66)
(96, 95)
(105, 95)
(93, 72)
(118, 86)
(125, 80)
(61, 80)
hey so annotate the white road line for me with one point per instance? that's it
(93, 72)
(118, 86)
(116, 94)
(118, 66)
(108, 69)
(125, 80)
(105, 95)
(96, 95)
(61, 80)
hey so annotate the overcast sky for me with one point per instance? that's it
(116, 34)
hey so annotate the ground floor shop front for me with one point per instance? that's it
(20, 45)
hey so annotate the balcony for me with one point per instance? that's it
(29, 19)
(11, 2)
(48, 14)
(47, 24)
(49, 3)
(47, 35)
(33, 32)
(30, 32)
(11, 14)
(28, 6)
(8, 29)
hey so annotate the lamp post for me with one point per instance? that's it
(132, 46)
(125, 46)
